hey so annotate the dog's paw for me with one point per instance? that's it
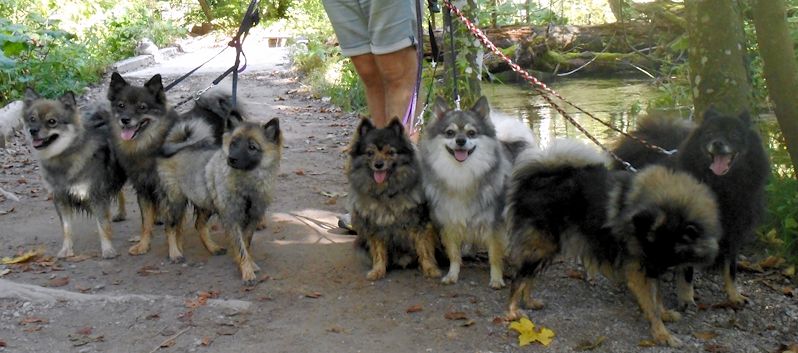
(109, 253)
(375, 274)
(684, 304)
(449, 279)
(178, 259)
(671, 316)
(65, 252)
(669, 340)
(533, 304)
(738, 300)
(134, 239)
(514, 314)
(139, 249)
(497, 283)
(432, 272)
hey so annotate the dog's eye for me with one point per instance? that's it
(391, 153)
(120, 105)
(52, 122)
(471, 133)
(449, 133)
(370, 153)
(142, 107)
(253, 147)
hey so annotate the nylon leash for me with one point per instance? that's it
(410, 115)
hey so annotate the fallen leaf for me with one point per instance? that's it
(209, 294)
(716, 348)
(206, 341)
(788, 291)
(27, 256)
(336, 329)
(3, 213)
(82, 289)
(84, 331)
(771, 262)
(414, 309)
(58, 282)
(3, 343)
(789, 271)
(499, 320)
(456, 315)
(468, 323)
(575, 274)
(313, 295)
(147, 270)
(705, 335)
(186, 316)
(81, 340)
(264, 298)
(646, 343)
(528, 333)
(35, 328)
(5, 272)
(748, 266)
(587, 345)
(331, 201)
(299, 172)
(153, 317)
(33, 320)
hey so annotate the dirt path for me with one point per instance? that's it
(316, 297)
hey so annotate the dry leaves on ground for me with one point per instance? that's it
(528, 333)
(206, 341)
(58, 282)
(455, 315)
(588, 345)
(415, 308)
(24, 257)
(313, 295)
(705, 335)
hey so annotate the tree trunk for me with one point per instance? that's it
(781, 70)
(494, 13)
(468, 59)
(718, 73)
(616, 6)
(206, 9)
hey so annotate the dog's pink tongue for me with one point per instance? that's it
(380, 175)
(127, 134)
(460, 155)
(721, 164)
(38, 142)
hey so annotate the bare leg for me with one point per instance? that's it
(398, 70)
(366, 67)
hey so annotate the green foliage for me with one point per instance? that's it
(781, 226)
(227, 14)
(49, 46)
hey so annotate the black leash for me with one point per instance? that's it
(251, 18)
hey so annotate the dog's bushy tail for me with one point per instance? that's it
(513, 133)
(664, 131)
(562, 153)
(215, 107)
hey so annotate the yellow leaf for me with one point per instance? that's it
(789, 271)
(528, 333)
(20, 259)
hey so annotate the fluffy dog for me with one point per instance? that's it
(77, 163)
(465, 167)
(141, 120)
(389, 210)
(629, 227)
(234, 181)
(726, 153)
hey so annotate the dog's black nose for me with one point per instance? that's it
(460, 141)
(379, 164)
(718, 146)
(125, 121)
(33, 131)
(232, 160)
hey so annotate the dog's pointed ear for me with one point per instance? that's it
(30, 96)
(481, 107)
(116, 86)
(396, 126)
(232, 121)
(440, 107)
(68, 100)
(155, 87)
(272, 130)
(364, 127)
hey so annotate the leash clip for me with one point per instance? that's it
(201, 92)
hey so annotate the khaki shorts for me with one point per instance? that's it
(372, 26)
